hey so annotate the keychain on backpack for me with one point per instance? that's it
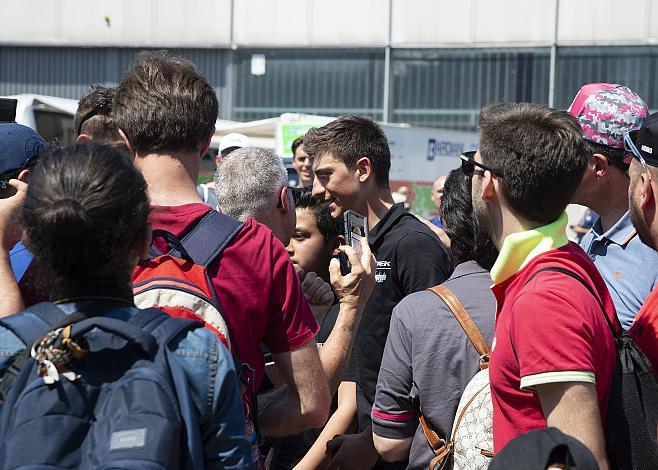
(53, 354)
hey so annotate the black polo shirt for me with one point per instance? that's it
(410, 258)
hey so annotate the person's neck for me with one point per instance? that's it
(377, 206)
(171, 177)
(512, 224)
(610, 204)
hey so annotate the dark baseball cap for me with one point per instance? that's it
(643, 143)
(537, 449)
(19, 145)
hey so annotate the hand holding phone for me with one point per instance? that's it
(356, 231)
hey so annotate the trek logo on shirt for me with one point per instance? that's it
(382, 271)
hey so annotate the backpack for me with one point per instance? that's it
(178, 282)
(119, 400)
(470, 444)
(632, 415)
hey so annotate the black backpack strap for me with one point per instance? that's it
(577, 277)
(32, 323)
(209, 237)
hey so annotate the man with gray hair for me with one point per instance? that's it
(252, 182)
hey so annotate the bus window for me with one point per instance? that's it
(51, 125)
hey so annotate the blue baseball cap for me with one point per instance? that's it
(18, 146)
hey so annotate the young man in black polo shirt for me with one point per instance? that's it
(351, 165)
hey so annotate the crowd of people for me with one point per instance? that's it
(150, 322)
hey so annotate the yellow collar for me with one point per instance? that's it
(520, 248)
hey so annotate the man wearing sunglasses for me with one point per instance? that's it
(605, 112)
(643, 198)
(553, 354)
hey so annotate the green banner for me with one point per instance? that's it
(289, 132)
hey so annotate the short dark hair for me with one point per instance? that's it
(94, 112)
(615, 156)
(295, 144)
(164, 103)
(327, 225)
(349, 138)
(539, 151)
(86, 208)
(468, 241)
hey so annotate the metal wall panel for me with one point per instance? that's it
(325, 82)
(154, 23)
(304, 22)
(336, 23)
(429, 87)
(606, 21)
(635, 67)
(68, 72)
(447, 88)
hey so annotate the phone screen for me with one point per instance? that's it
(356, 229)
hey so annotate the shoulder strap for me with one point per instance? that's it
(463, 318)
(161, 325)
(209, 237)
(577, 277)
(34, 322)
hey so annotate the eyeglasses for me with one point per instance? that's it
(102, 108)
(629, 146)
(296, 195)
(469, 164)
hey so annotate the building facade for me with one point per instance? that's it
(423, 62)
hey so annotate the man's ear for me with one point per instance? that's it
(600, 165)
(24, 176)
(204, 145)
(489, 187)
(126, 140)
(646, 190)
(338, 241)
(363, 169)
(84, 139)
(285, 205)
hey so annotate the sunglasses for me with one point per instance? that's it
(633, 152)
(469, 164)
(296, 195)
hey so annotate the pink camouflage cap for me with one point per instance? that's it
(605, 111)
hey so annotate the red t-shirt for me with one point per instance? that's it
(549, 329)
(644, 329)
(256, 286)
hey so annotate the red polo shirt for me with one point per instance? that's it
(644, 329)
(549, 329)
(256, 285)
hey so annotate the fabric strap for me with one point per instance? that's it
(442, 448)
(464, 319)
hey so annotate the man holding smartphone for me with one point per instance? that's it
(351, 165)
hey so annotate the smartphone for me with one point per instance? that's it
(356, 230)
